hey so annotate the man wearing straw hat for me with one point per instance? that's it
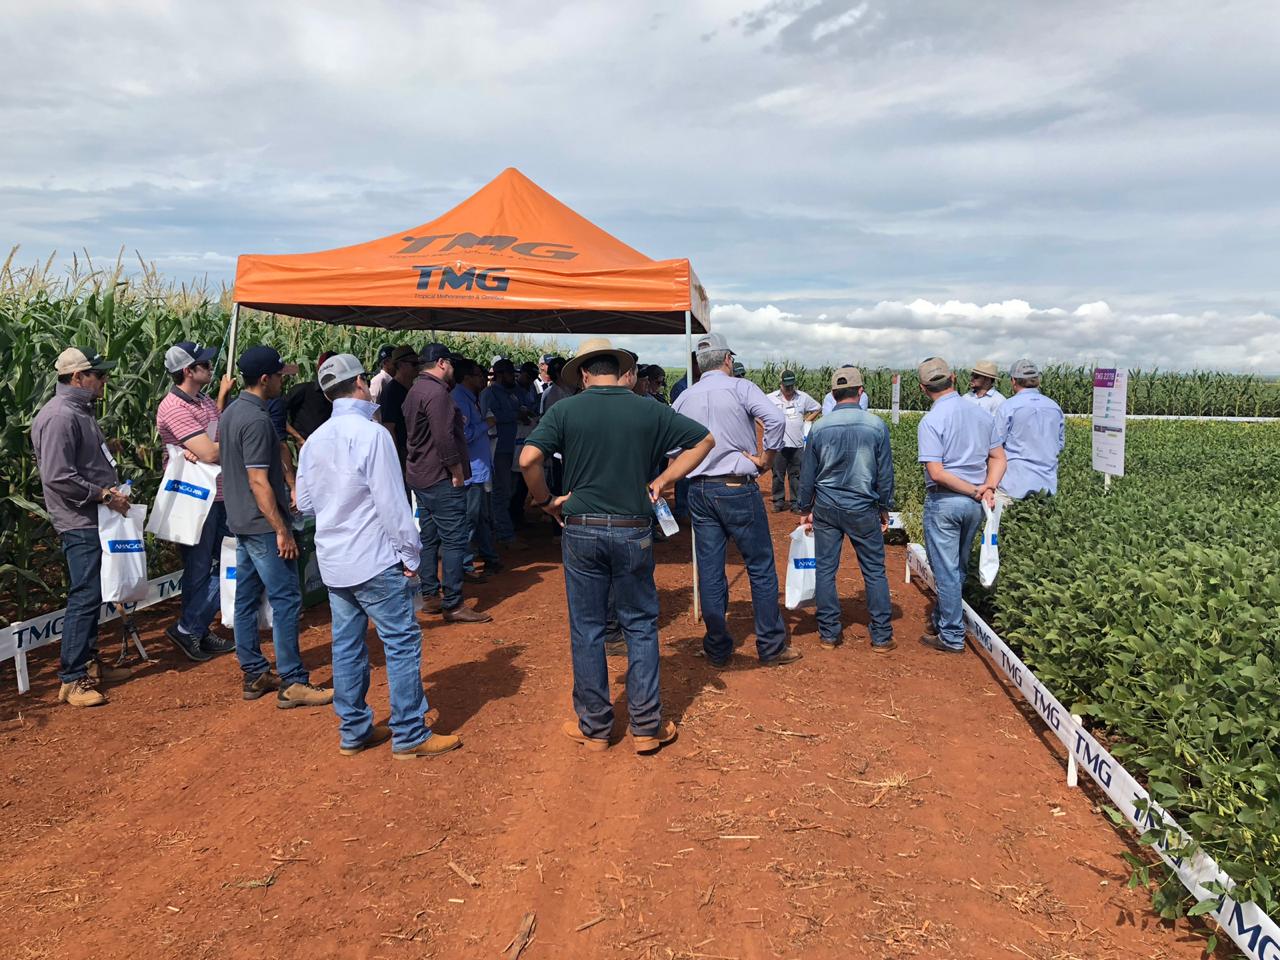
(982, 386)
(610, 439)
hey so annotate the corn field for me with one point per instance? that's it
(132, 320)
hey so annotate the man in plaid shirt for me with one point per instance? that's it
(188, 418)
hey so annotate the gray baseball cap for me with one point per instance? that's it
(711, 341)
(1024, 369)
(934, 372)
(339, 368)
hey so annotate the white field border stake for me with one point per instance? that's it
(17, 639)
(1256, 934)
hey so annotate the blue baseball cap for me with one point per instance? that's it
(259, 361)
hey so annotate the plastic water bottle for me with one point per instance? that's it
(665, 518)
(126, 489)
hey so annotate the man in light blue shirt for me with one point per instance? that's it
(470, 381)
(963, 464)
(725, 503)
(846, 490)
(1033, 431)
(349, 477)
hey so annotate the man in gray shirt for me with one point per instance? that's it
(77, 473)
(725, 503)
(259, 514)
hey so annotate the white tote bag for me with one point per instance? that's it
(184, 500)
(124, 556)
(802, 569)
(989, 554)
(227, 589)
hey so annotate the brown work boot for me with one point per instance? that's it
(666, 733)
(81, 693)
(303, 695)
(788, 655)
(380, 733)
(262, 684)
(432, 604)
(464, 614)
(433, 746)
(102, 672)
(574, 732)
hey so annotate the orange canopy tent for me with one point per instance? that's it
(509, 259)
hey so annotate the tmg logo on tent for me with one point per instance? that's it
(125, 546)
(187, 489)
(451, 278)
(537, 249)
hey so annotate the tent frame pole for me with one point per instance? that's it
(231, 335)
(693, 537)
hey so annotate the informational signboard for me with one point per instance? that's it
(897, 396)
(1110, 405)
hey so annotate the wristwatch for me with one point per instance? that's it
(106, 495)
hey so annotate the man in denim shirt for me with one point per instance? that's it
(470, 381)
(963, 463)
(846, 490)
(502, 407)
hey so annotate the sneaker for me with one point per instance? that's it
(935, 642)
(187, 645)
(102, 672)
(303, 695)
(433, 746)
(215, 644)
(263, 683)
(890, 644)
(666, 734)
(380, 733)
(81, 693)
(788, 655)
(464, 614)
(574, 732)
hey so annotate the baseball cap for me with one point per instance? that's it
(739, 369)
(986, 368)
(405, 353)
(384, 353)
(75, 360)
(711, 341)
(338, 369)
(546, 358)
(934, 372)
(187, 354)
(789, 377)
(435, 351)
(260, 360)
(1024, 369)
(846, 377)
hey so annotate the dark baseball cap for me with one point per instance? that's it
(789, 377)
(260, 360)
(436, 351)
(384, 353)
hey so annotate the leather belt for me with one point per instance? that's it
(609, 521)
(725, 478)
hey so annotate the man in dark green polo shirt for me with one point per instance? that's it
(610, 438)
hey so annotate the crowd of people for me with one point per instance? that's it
(418, 476)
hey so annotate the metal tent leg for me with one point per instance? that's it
(693, 537)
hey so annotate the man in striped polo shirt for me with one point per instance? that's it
(187, 417)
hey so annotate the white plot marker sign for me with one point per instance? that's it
(1110, 404)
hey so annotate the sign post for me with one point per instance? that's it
(896, 406)
(1110, 406)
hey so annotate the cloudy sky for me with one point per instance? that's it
(869, 180)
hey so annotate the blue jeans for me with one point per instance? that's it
(84, 601)
(951, 522)
(502, 486)
(721, 513)
(199, 584)
(830, 526)
(595, 560)
(444, 540)
(387, 599)
(479, 526)
(259, 567)
(681, 507)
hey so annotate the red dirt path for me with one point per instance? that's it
(897, 806)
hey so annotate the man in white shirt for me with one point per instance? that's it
(386, 371)
(797, 407)
(982, 386)
(368, 549)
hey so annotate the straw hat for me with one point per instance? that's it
(986, 368)
(571, 376)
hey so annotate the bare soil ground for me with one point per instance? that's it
(851, 805)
